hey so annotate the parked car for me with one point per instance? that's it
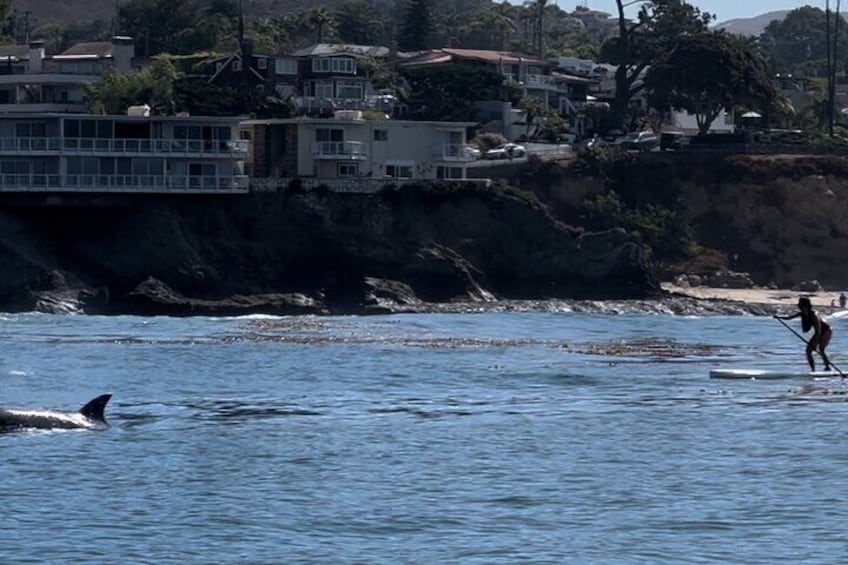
(673, 141)
(639, 140)
(506, 151)
(472, 151)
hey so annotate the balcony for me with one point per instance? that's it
(340, 150)
(122, 183)
(111, 147)
(539, 81)
(455, 152)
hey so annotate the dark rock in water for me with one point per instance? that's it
(153, 297)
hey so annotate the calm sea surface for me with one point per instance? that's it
(461, 438)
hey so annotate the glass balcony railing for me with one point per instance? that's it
(120, 183)
(123, 146)
(353, 150)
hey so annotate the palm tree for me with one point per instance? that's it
(499, 18)
(323, 22)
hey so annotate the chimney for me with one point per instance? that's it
(123, 52)
(36, 56)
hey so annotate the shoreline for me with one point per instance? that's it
(673, 300)
(823, 300)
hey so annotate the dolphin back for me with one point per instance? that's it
(96, 408)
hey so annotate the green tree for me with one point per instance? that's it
(165, 26)
(416, 26)
(708, 73)
(798, 44)
(360, 24)
(657, 29)
(447, 93)
(322, 22)
(153, 85)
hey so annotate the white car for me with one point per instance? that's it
(506, 151)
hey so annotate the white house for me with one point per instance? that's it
(349, 147)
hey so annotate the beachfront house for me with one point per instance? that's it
(348, 147)
(337, 77)
(101, 153)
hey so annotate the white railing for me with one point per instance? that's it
(355, 150)
(539, 80)
(455, 152)
(129, 146)
(121, 183)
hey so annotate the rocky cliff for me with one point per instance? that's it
(781, 218)
(300, 252)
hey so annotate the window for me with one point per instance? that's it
(350, 89)
(334, 64)
(284, 90)
(219, 66)
(448, 172)
(343, 65)
(285, 66)
(381, 135)
(29, 129)
(399, 171)
(236, 65)
(142, 166)
(324, 90)
(262, 63)
(347, 170)
(325, 134)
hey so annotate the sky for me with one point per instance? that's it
(723, 9)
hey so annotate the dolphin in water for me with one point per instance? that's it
(91, 416)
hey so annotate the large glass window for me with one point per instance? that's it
(347, 170)
(350, 89)
(324, 90)
(325, 134)
(30, 129)
(285, 66)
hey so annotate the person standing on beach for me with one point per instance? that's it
(821, 331)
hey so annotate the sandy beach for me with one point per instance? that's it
(825, 300)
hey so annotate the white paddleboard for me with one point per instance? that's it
(760, 374)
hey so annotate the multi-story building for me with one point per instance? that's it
(333, 77)
(349, 147)
(533, 76)
(278, 74)
(31, 81)
(99, 153)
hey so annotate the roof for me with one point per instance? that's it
(97, 49)
(574, 79)
(14, 51)
(448, 54)
(327, 49)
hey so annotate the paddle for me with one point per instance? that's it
(788, 327)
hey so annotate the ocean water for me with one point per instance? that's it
(437, 438)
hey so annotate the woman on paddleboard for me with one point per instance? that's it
(821, 331)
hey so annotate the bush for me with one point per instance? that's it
(486, 141)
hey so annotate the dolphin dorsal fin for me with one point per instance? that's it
(95, 409)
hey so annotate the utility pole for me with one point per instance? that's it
(26, 27)
(833, 70)
(829, 71)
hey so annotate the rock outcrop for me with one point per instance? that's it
(314, 252)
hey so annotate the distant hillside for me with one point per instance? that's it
(90, 10)
(751, 26)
